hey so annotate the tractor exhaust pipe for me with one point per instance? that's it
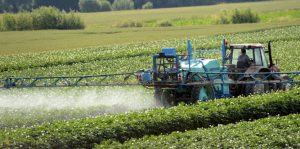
(190, 50)
(272, 66)
(270, 54)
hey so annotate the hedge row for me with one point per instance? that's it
(87, 132)
(272, 132)
(41, 18)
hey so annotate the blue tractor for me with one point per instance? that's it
(184, 78)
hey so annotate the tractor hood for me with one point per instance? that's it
(201, 65)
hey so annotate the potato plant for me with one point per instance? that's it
(84, 133)
(271, 132)
(138, 55)
(131, 57)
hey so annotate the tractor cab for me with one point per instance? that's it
(255, 52)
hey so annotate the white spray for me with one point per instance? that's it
(64, 103)
(133, 98)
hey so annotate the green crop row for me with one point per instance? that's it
(86, 132)
(120, 65)
(20, 62)
(272, 132)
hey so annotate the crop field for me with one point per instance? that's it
(86, 132)
(101, 30)
(40, 122)
(272, 132)
(128, 117)
(132, 57)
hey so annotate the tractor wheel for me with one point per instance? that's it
(256, 88)
(166, 99)
(285, 87)
(195, 94)
(157, 96)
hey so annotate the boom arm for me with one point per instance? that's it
(64, 81)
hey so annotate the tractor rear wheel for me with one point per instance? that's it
(287, 86)
(256, 88)
(195, 94)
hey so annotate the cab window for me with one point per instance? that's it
(264, 58)
(237, 52)
(258, 58)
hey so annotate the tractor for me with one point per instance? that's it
(184, 78)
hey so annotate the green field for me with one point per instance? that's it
(273, 132)
(132, 57)
(84, 133)
(70, 125)
(100, 30)
(82, 117)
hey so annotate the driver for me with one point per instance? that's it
(243, 60)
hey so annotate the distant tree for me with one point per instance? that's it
(41, 18)
(9, 22)
(123, 5)
(66, 5)
(24, 21)
(1, 26)
(138, 4)
(15, 5)
(224, 18)
(148, 5)
(244, 16)
(70, 21)
(46, 17)
(89, 6)
(104, 5)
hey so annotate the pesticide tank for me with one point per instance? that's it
(203, 66)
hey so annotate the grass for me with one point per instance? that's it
(100, 28)
(276, 16)
(284, 16)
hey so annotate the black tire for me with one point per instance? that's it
(195, 94)
(164, 98)
(157, 96)
(251, 89)
(285, 87)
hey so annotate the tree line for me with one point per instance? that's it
(103, 5)
(40, 18)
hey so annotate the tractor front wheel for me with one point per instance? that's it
(164, 98)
